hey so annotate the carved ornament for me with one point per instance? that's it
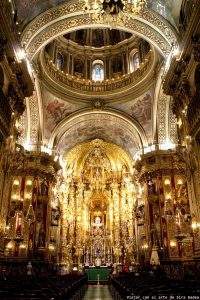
(69, 16)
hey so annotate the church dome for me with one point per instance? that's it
(98, 62)
(98, 37)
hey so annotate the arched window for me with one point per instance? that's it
(134, 62)
(98, 70)
(60, 61)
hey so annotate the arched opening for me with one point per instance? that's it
(134, 61)
(98, 70)
(59, 61)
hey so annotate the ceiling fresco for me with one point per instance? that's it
(28, 9)
(141, 110)
(55, 110)
(106, 128)
(169, 9)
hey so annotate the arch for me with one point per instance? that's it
(98, 70)
(132, 128)
(72, 16)
(134, 60)
(59, 61)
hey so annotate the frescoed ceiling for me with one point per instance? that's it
(141, 110)
(28, 9)
(169, 9)
(106, 128)
(55, 110)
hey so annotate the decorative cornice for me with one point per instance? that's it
(32, 163)
(160, 162)
(62, 43)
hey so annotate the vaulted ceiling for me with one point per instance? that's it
(69, 116)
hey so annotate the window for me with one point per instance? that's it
(98, 70)
(134, 62)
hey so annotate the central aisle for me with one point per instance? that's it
(98, 292)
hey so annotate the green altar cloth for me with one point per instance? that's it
(101, 272)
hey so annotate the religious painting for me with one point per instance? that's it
(55, 110)
(106, 129)
(141, 110)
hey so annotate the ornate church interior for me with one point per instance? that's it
(99, 149)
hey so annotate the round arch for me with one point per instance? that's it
(87, 116)
(72, 16)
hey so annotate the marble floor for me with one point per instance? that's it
(97, 292)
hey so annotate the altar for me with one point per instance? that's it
(98, 274)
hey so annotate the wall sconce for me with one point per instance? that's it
(29, 182)
(145, 246)
(172, 244)
(195, 225)
(179, 122)
(22, 246)
(7, 227)
(168, 196)
(180, 181)
(10, 245)
(167, 181)
(15, 197)
(27, 196)
(6, 230)
(51, 247)
(16, 182)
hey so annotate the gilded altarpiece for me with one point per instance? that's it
(27, 204)
(98, 201)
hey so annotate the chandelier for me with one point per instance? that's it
(111, 11)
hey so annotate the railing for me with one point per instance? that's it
(87, 85)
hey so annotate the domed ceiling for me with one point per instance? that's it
(97, 37)
(71, 115)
